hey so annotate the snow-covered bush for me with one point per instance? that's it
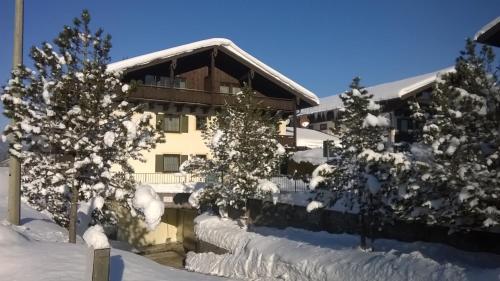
(244, 151)
(72, 123)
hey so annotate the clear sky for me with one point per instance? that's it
(319, 44)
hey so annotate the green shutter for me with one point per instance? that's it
(184, 158)
(160, 120)
(325, 148)
(184, 124)
(159, 164)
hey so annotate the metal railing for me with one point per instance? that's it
(284, 183)
(166, 178)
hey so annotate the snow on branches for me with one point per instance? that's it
(72, 125)
(458, 183)
(245, 154)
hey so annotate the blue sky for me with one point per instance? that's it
(319, 44)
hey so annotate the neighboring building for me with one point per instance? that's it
(308, 138)
(490, 33)
(184, 85)
(392, 96)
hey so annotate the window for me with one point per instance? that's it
(224, 89)
(235, 90)
(201, 156)
(164, 81)
(322, 127)
(150, 80)
(405, 125)
(180, 83)
(229, 88)
(172, 123)
(201, 123)
(171, 163)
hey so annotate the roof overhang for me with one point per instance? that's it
(490, 33)
(229, 48)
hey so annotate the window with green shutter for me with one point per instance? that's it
(171, 163)
(172, 124)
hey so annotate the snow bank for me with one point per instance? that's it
(150, 204)
(257, 257)
(95, 237)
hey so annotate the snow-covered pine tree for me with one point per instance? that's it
(458, 185)
(73, 127)
(244, 151)
(359, 176)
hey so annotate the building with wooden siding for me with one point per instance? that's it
(184, 85)
(392, 96)
(490, 33)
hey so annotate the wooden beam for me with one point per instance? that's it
(173, 65)
(211, 71)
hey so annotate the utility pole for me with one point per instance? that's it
(14, 205)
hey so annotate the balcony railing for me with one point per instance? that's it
(190, 96)
(285, 184)
(166, 178)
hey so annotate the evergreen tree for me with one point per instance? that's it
(360, 176)
(459, 183)
(244, 154)
(73, 127)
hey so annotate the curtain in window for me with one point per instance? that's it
(172, 124)
(171, 163)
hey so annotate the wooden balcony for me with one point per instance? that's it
(198, 97)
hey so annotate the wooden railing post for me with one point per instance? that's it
(98, 261)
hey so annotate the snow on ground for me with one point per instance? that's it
(293, 254)
(37, 250)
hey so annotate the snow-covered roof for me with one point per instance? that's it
(221, 43)
(310, 138)
(385, 91)
(490, 33)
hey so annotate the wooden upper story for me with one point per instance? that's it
(210, 73)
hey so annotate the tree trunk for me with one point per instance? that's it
(72, 216)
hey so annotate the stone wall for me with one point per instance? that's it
(284, 215)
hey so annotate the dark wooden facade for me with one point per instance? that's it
(204, 73)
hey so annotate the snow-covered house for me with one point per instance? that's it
(392, 96)
(490, 33)
(184, 85)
